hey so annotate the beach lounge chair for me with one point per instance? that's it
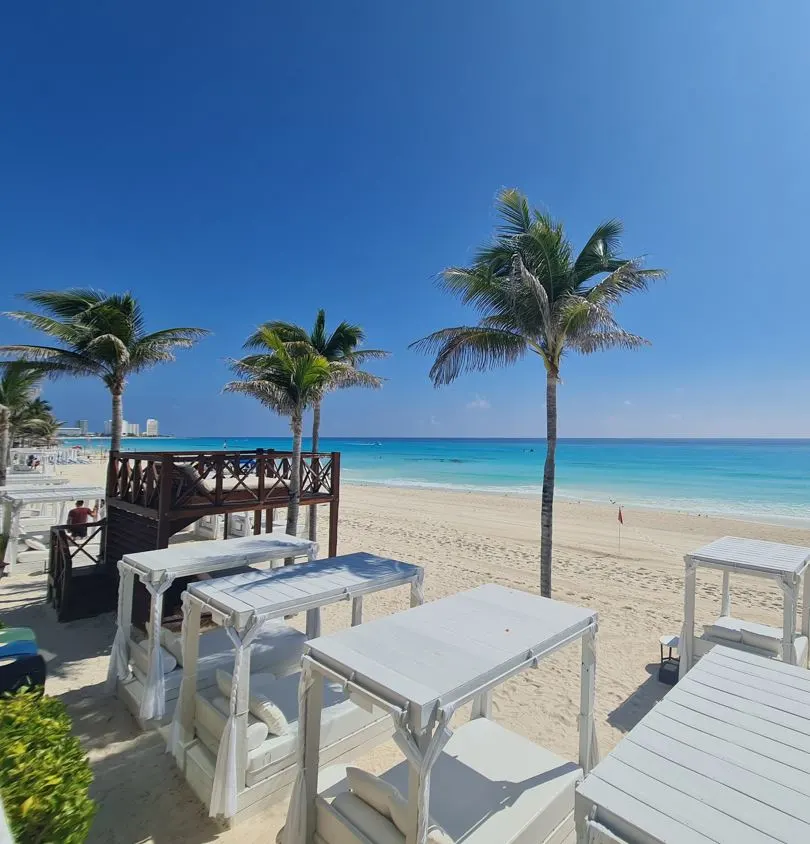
(477, 783)
(237, 742)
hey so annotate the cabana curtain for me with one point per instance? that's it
(223, 793)
(118, 668)
(295, 826)
(188, 679)
(153, 702)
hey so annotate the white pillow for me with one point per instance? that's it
(370, 822)
(764, 643)
(256, 730)
(259, 704)
(35, 544)
(140, 656)
(725, 628)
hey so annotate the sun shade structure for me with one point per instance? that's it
(138, 669)
(212, 744)
(724, 758)
(480, 782)
(36, 497)
(785, 564)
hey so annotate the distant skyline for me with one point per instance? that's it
(231, 165)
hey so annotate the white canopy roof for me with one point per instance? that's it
(449, 650)
(189, 558)
(301, 587)
(40, 495)
(725, 757)
(753, 556)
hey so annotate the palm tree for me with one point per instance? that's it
(340, 350)
(98, 334)
(288, 380)
(19, 406)
(534, 294)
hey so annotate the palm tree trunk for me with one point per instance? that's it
(117, 419)
(547, 508)
(297, 423)
(316, 442)
(5, 441)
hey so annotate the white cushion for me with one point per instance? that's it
(725, 628)
(370, 822)
(35, 544)
(767, 643)
(256, 730)
(140, 657)
(260, 705)
(800, 650)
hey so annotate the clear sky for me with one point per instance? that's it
(237, 162)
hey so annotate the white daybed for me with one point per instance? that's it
(53, 502)
(480, 783)
(786, 564)
(148, 677)
(233, 763)
(723, 759)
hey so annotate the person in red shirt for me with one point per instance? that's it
(78, 518)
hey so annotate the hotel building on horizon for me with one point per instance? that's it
(151, 428)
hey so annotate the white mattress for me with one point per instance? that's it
(491, 785)
(340, 719)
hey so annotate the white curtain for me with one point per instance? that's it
(294, 831)
(118, 668)
(418, 591)
(312, 553)
(188, 678)
(423, 762)
(153, 702)
(685, 645)
(223, 793)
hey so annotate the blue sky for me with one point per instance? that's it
(232, 163)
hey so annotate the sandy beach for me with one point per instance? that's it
(462, 540)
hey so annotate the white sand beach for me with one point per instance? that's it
(462, 540)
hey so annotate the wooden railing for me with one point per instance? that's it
(181, 483)
(65, 550)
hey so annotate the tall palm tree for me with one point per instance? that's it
(340, 350)
(288, 380)
(98, 334)
(19, 406)
(535, 295)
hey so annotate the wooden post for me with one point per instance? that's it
(806, 606)
(219, 469)
(314, 623)
(310, 735)
(242, 699)
(357, 610)
(269, 516)
(414, 779)
(334, 505)
(260, 469)
(186, 703)
(725, 605)
(165, 501)
(789, 619)
(686, 646)
(587, 733)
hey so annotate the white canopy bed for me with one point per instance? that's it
(147, 670)
(477, 783)
(724, 758)
(48, 506)
(785, 564)
(237, 742)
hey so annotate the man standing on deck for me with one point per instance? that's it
(78, 518)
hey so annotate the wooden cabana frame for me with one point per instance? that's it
(785, 564)
(170, 490)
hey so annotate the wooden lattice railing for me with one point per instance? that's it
(181, 483)
(67, 550)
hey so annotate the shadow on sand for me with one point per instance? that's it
(627, 714)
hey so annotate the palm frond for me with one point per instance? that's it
(513, 209)
(289, 333)
(470, 349)
(628, 277)
(600, 250)
(602, 340)
(65, 304)
(58, 361)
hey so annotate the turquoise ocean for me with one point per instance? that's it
(764, 480)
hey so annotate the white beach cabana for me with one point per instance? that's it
(147, 671)
(784, 564)
(55, 498)
(480, 782)
(25, 483)
(230, 759)
(723, 759)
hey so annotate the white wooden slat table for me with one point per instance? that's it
(725, 757)
(785, 564)
(14, 501)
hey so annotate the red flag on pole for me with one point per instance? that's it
(621, 517)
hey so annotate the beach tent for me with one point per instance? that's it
(784, 564)
(479, 782)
